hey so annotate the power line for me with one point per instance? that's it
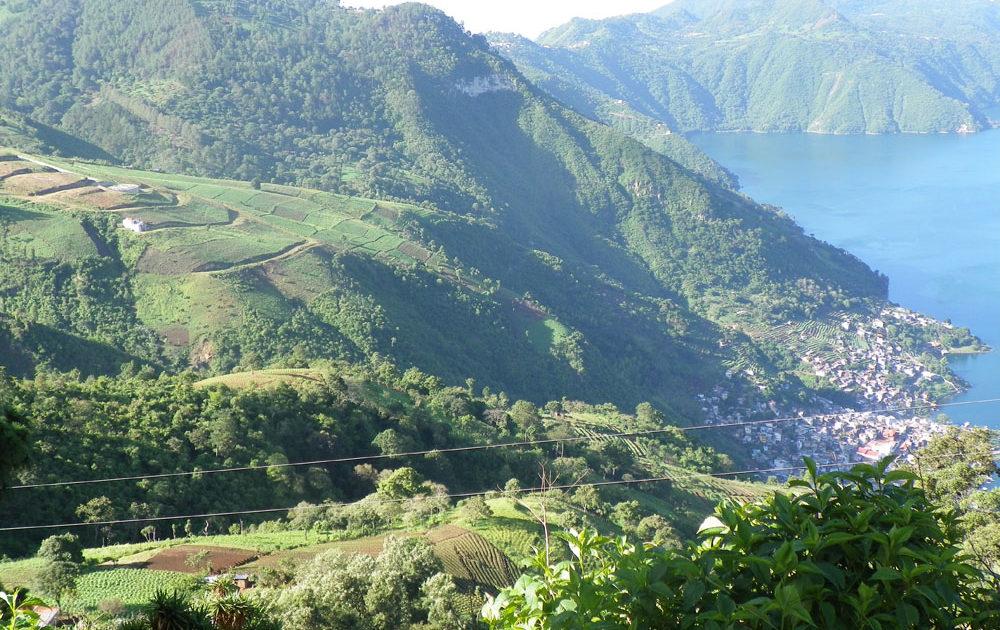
(499, 445)
(458, 495)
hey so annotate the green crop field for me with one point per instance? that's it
(195, 304)
(298, 228)
(190, 213)
(132, 587)
(544, 333)
(44, 231)
(163, 300)
(262, 378)
(304, 277)
(469, 556)
(511, 530)
(20, 573)
(182, 250)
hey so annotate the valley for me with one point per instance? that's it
(317, 316)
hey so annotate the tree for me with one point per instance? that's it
(589, 498)
(392, 442)
(398, 588)
(525, 415)
(476, 509)
(658, 530)
(627, 514)
(14, 445)
(62, 547)
(57, 578)
(402, 483)
(862, 549)
(63, 557)
(98, 510)
(955, 463)
(647, 415)
(443, 603)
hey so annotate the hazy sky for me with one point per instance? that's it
(527, 17)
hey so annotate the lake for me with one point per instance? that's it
(924, 210)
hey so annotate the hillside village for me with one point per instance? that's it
(860, 356)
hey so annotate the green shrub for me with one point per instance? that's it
(860, 549)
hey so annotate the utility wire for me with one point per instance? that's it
(458, 495)
(499, 445)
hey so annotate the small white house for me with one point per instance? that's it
(136, 225)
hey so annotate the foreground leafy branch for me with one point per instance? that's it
(865, 549)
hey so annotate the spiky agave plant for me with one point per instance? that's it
(174, 611)
(232, 612)
(224, 585)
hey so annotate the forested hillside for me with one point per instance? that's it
(144, 425)
(481, 229)
(826, 66)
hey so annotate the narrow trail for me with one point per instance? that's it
(294, 250)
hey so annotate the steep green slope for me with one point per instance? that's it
(559, 73)
(794, 65)
(17, 130)
(538, 251)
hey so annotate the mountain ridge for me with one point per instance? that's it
(795, 65)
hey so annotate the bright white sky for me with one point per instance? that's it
(527, 17)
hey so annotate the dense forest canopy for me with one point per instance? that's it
(62, 428)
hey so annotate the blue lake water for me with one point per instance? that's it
(924, 210)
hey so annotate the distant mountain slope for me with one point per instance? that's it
(828, 66)
(562, 76)
(418, 199)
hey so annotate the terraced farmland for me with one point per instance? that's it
(702, 486)
(819, 337)
(212, 248)
(10, 168)
(190, 214)
(596, 427)
(469, 556)
(274, 250)
(92, 197)
(44, 231)
(41, 183)
(282, 214)
(464, 553)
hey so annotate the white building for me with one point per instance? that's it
(125, 188)
(136, 225)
